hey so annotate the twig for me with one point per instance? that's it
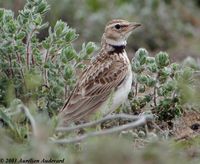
(28, 53)
(10, 64)
(28, 48)
(65, 91)
(92, 123)
(30, 117)
(46, 56)
(136, 88)
(141, 121)
(20, 62)
(45, 70)
(18, 58)
(154, 96)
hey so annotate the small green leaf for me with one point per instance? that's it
(175, 66)
(59, 27)
(162, 59)
(90, 47)
(69, 53)
(81, 66)
(7, 119)
(150, 60)
(143, 79)
(42, 8)
(148, 98)
(21, 35)
(152, 67)
(142, 89)
(1, 14)
(68, 72)
(46, 44)
(38, 20)
(8, 16)
(170, 85)
(136, 67)
(141, 55)
(164, 74)
(151, 82)
(11, 26)
(70, 35)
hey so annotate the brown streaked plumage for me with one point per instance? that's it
(108, 74)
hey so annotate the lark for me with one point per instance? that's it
(104, 85)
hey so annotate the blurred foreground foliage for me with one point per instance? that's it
(41, 74)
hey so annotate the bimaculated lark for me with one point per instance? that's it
(105, 83)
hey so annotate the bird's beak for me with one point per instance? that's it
(134, 25)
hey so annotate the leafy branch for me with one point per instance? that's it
(157, 84)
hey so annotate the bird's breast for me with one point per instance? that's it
(120, 94)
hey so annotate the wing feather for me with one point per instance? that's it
(94, 87)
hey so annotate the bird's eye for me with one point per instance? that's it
(117, 26)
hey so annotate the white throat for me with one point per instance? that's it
(116, 43)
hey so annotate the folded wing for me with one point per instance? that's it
(94, 87)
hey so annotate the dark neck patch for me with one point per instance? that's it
(118, 49)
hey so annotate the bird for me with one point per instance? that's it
(106, 82)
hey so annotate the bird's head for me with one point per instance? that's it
(117, 31)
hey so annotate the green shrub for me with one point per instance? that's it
(34, 70)
(161, 86)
